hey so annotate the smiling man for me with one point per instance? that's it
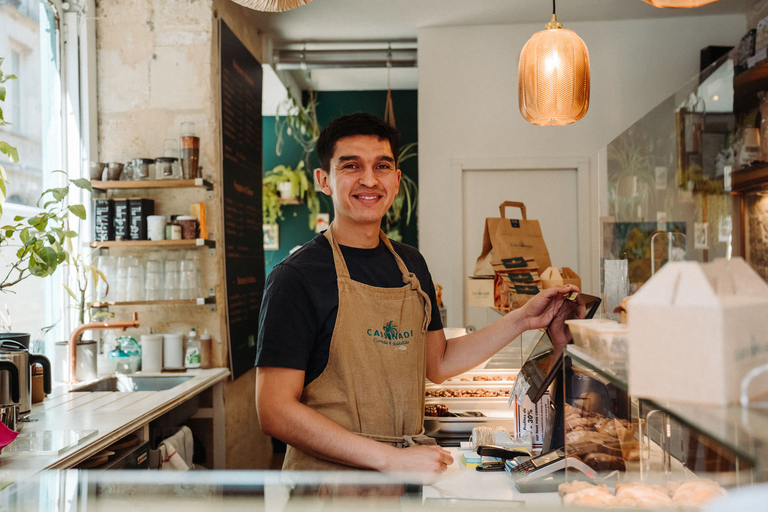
(347, 331)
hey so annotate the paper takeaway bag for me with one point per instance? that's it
(553, 276)
(509, 240)
(515, 283)
(696, 330)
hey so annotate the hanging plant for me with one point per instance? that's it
(404, 206)
(299, 122)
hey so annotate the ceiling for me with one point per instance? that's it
(356, 20)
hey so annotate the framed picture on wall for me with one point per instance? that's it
(271, 237)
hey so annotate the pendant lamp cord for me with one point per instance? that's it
(389, 110)
(553, 6)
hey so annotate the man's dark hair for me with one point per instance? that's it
(350, 125)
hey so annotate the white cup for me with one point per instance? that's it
(156, 227)
(173, 351)
(152, 353)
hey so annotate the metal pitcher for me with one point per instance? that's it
(15, 353)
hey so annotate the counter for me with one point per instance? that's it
(114, 415)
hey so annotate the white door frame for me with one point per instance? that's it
(587, 196)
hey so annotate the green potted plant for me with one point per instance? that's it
(285, 185)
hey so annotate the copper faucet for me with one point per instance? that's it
(92, 327)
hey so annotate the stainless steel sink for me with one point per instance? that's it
(135, 383)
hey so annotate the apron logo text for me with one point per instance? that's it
(390, 335)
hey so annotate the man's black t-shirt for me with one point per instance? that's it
(301, 299)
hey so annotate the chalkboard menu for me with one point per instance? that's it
(241, 194)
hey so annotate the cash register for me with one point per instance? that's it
(544, 370)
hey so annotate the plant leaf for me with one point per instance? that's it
(70, 292)
(78, 210)
(10, 151)
(82, 183)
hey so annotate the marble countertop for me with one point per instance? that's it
(113, 415)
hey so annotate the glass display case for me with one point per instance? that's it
(631, 441)
(687, 181)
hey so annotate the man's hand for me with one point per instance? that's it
(429, 458)
(549, 308)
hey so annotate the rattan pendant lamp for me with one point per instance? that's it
(272, 5)
(553, 76)
(679, 4)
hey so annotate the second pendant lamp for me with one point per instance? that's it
(553, 76)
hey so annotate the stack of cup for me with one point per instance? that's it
(172, 277)
(120, 291)
(154, 283)
(188, 288)
(135, 282)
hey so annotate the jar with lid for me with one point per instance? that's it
(173, 230)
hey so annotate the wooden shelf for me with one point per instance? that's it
(191, 302)
(752, 178)
(127, 185)
(197, 242)
(747, 84)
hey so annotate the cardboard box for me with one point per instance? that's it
(140, 209)
(122, 220)
(480, 291)
(554, 276)
(695, 331)
(103, 220)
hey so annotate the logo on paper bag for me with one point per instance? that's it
(526, 290)
(514, 262)
(515, 223)
(525, 277)
(390, 335)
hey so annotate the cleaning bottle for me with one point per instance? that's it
(192, 356)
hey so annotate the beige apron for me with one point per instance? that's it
(373, 384)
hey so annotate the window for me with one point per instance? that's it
(29, 43)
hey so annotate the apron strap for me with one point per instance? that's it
(338, 259)
(409, 277)
(402, 441)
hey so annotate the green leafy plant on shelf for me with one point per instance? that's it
(299, 122)
(294, 182)
(403, 208)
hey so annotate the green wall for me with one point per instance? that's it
(294, 229)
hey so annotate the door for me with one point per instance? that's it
(550, 196)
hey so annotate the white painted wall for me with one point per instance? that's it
(468, 106)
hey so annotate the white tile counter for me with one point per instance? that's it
(114, 415)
